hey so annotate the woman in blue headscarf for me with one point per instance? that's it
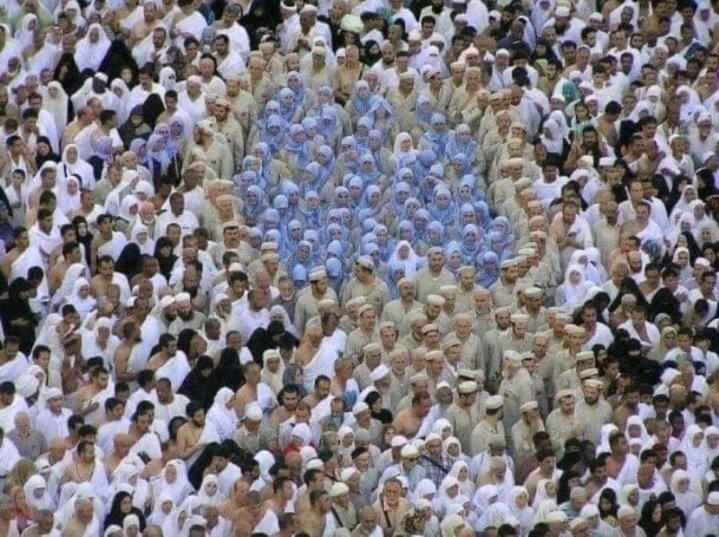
(294, 199)
(326, 160)
(301, 256)
(335, 274)
(384, 242)
(290, 111)
(399, 194)
(395, 274)
(405, 232)
(435, 234)
(329, 126)
(335, 232)
(425, 160)
(361, 134)
(487, 269)
(270, 221)
(461, 141)
(382, 155)
(420, 220)
(296, 83)
(483, 217)
(501, 225)
(411, 206)
(273, 132)
(355, 186)
(139, 147)
(158, 161)
(347, 160)
(471, 244)
(311, 210)
(465, 190)
(495, 243)
(310, 179)
(453, 258)
(371, 250)
(373, 207)
(360, 102)
(459, 167)
(255, 205)
(436, 137)
(382, 118)
(424, 109)
(295, 152)
(443, 209)
(340, 197)
(313, 237)
(368, 171)
(271, 169)
(292, 237)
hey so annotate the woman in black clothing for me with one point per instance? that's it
(122, 507)
(374, 400)
(165, 258)
(67, 74)
(228, 373)
(651, 520)
(130, 261)
(84, 236)
(197, 385)
(17, 317)
(43, 152)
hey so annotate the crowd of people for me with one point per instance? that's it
(436, 268)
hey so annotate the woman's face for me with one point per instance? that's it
(463, 473)
(166, 507)
(633, 497)
(126, 504)
(136, 120)
(453, 491)
(72, 187)
(363, 92)
(377, 405)
(43, 149)
(210, 488)
(455, 260)
(521, 500)
(575, 277)
(683, 485)
(171, 474)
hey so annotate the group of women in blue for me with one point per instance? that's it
(331, 183)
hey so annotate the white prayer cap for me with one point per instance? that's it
(379, 372)
(359, 407)
(555, 516)
(625, 511)
(253, 412)
(347, 473)
(713, 498)
(167, 301)
(338, 489)
(494, 402)
(529, 405)
(53, 393)
(183, 297)
(409, 451)
(398, 441)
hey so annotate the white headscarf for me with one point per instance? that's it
(410, 264)
(224, 419)
(35, 483)
(177, 490)
(83, 305)
(686, 501)
(147, 247)
(217, 497)
(89, 55)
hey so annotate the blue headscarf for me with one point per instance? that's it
(362, 104)
(447, 215)
(326, 169)
(437, 136)
(435, 234)
(487, 269)
(252, 210)
(471, 244)
(297, 145)
(361, 137)
(273, 131)
(329, 126)
(369, 176)
(466, 147)
(313, 217)
(287, 111)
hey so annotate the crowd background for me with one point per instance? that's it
(379, 268)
